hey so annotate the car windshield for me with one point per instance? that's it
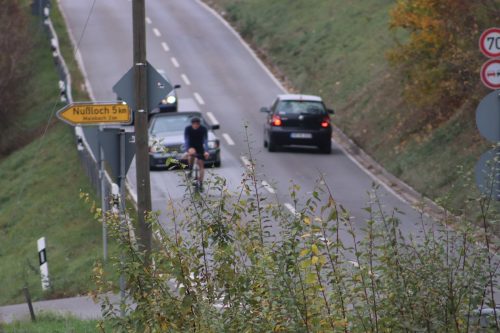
(175, 123)
(300, 107)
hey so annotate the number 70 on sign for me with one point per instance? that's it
(489, 42)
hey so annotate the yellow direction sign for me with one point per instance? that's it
(88, 113)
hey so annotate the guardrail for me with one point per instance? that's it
(89, 162)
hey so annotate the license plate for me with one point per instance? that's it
(301, 135)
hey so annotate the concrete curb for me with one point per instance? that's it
(396, 186)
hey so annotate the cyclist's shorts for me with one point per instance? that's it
(200, 156)
(200, 152)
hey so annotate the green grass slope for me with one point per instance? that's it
(40, 186)
(337, 48)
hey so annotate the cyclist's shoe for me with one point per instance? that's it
(190, 174)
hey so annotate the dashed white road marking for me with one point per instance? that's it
(199, 99)
(186, 80)
(175, 62)
(156, 32)
(161, 71)
(228, 139)
(290, 208)
(165, 46)
(148, 20)
(246, 162)
(212, 118)
(268, 187)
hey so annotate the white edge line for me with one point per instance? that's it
(165, 46)
(175, 62)
(242, 41)
(246, 162)
(290, 208)
(78, 55)
(278, 83)
(199, 99)
(228, 139)
(212, 118)
(186, 80)
(268, 187)
(371, 175)
(156, 32)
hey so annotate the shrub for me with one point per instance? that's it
(239, 262)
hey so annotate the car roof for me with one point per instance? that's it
(299, 97)
(178, 114)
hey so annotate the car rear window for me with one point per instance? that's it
(175, 123)
(300, 107)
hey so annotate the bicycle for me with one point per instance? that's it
(196, 173)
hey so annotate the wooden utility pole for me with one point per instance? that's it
(141, 125)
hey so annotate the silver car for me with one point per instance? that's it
(166, 139)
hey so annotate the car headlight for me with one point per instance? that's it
(213, 144)
(170, 98)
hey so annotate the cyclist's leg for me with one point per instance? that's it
(201, 166)
(190, 158)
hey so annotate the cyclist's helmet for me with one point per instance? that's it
(195, 120)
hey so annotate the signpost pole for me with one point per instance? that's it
(123, 212)
(103, 204)
(141, 125)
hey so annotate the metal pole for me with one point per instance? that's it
(30, 305)
(141, 126)
(123, 219)
(496, 161)
(103, 205)
(116, 209)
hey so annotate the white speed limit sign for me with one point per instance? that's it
(489, 43)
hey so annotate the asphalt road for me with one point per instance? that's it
(195, 48)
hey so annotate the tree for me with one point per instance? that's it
(15, 43)
(440, 60)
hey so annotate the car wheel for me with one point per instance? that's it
(326, 148)
(265, 144)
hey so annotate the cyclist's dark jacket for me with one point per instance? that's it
(197, 139)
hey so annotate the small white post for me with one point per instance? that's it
(44, 268)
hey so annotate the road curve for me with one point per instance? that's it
(196, 49)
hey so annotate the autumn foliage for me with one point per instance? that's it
(15, 46)
(440, 60)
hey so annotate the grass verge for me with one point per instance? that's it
(52, 323)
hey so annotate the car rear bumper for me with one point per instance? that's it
(298, 136)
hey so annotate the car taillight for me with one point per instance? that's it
(326, 122)
(276, 121)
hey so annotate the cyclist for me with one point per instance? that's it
(196, 144)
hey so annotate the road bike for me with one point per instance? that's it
(196, 176)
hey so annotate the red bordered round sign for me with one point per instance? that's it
(490, 74)
(489, 42)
